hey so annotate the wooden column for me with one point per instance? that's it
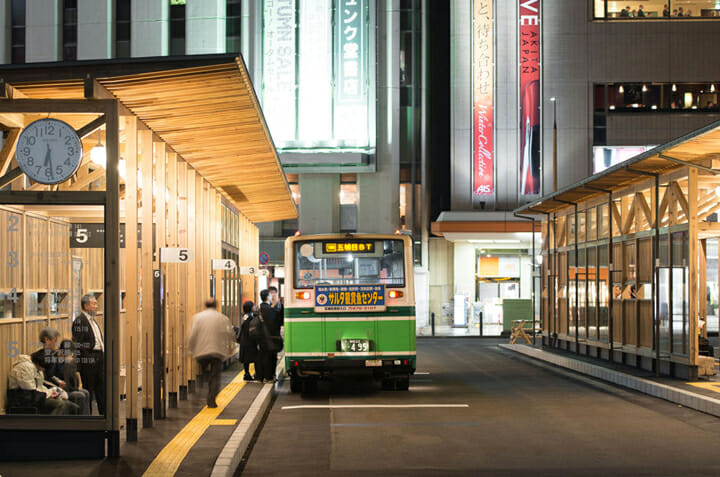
(146, 157)
(182, 330)
(191, 291)
(160, 216)
(131, 278)
(693, 265)
(171, 340)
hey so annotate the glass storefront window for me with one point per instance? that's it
(657, 97)
(656, 9)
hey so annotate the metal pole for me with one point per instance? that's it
(555, 168)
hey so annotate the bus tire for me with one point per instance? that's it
(388, 385)
(309, 386)
(295, 384)
(402, 384)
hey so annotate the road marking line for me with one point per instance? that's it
(169, 459)
(418, 372)
(224, 422)
(370, 406)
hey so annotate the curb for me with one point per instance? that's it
(229, 459)
(685, 398)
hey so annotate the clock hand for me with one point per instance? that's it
(48, 161)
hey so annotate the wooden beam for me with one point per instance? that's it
(8, 149)
(86, 179)
(640, 199)
(682, 201)
(615, 215)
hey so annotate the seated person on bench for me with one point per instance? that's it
(27, 391)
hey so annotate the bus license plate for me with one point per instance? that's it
(353, 345)
(373, 362)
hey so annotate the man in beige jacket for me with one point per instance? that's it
(211, 341)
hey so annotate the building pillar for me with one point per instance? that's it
(205, 26)
(43, 31)
(6, 30)
(379, 201)
(96, 32)
(150, 29)
(320, 203)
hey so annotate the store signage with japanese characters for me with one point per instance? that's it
(483, 98)
(351, 44)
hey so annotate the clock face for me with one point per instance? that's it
(48, 151)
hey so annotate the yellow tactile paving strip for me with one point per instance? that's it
(169, 459)
(224, 422)
(709, 386)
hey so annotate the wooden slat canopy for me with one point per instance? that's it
(209, 115)
(698, 148)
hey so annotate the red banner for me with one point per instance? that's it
(483, 125)
(529, 97)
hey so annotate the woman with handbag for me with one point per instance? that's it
(248, 345)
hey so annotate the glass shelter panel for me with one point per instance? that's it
(52, 316)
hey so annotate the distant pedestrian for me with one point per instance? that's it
(248, 345)
(211, 341)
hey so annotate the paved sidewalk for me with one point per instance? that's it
(193, 440)
(702, 395)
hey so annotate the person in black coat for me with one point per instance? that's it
(88, 338)
(273, 316)
(248, 345)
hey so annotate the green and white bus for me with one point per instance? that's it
(349, 309)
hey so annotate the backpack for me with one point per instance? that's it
(255, 328)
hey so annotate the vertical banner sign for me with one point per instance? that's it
(351, 102)
(483, 125)
(529, 97)
(351, 38)
(279, 68)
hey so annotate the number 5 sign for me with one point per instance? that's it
(176, 255)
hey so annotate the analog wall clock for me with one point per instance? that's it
(49, 151)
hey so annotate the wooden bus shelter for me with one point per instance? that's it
(624, 268)
(189, 164)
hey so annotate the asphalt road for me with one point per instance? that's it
(519, 419)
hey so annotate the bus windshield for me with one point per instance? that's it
(349, 262)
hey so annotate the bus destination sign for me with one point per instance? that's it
(352, 298)
(345, 247)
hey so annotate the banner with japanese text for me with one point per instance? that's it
(483, 98)
(529, 43)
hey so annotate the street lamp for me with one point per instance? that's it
(554, 101)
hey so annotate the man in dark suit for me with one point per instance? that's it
(272, 313)
(88, 338)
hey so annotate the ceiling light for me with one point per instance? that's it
(621, 89)
(674, 87)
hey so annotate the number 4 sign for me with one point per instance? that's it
(223, 264)
(176, 255)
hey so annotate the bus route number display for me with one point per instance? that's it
(352, 247)
(349, 298)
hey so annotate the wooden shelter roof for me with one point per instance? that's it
(208, 114)
(693, 149)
